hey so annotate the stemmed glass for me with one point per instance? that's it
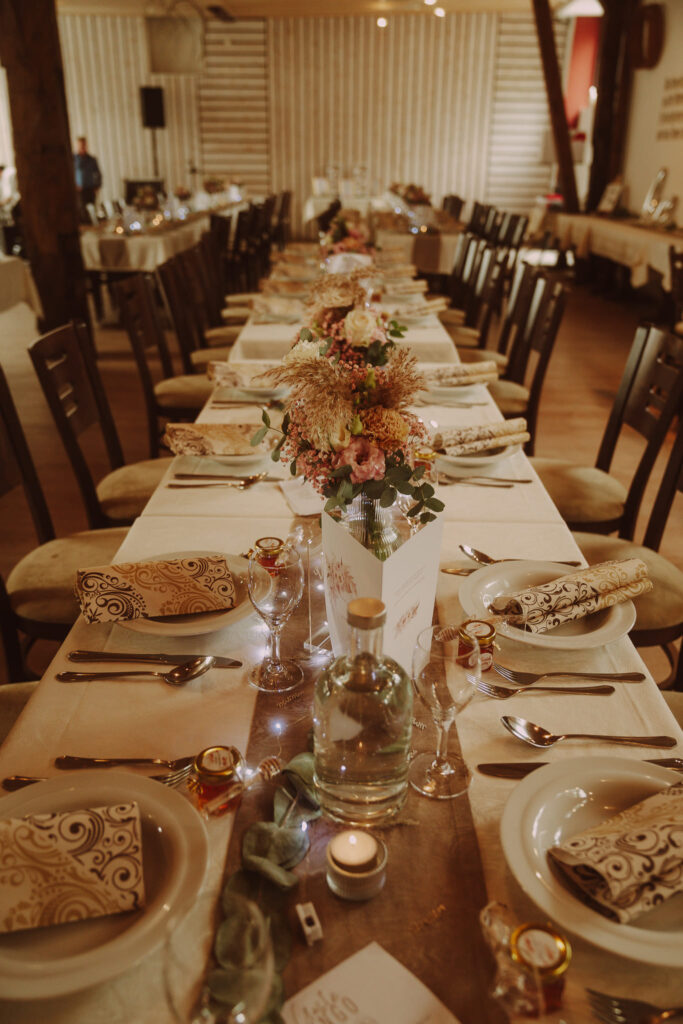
(200, 988)
(275, 590)
(447, 682)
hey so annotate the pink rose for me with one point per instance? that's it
(366, 460)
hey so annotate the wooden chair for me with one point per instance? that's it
(482, 304)
(172, 397)
(203, 305)
(676, 265)
(514, 321)
(650, 395)
(453, 205)
(73, 389)
(195, 357)
(659, 614)
(282, 231)
(517, 399)
(37, 599)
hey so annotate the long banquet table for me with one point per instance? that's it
(426, 916)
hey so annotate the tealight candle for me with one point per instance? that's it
(356, 863)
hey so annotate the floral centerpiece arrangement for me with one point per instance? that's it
(413, 195)
(213, 185)
(146, 198)
(347, 233)
(347, 428)
(182, 193)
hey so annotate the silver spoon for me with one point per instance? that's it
(537, 736)
(484, 559)
(178, 676)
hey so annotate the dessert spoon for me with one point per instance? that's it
(484, 559)
(537, 736)
(178, 676)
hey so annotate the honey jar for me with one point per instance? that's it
(545, 955)
(215, 771)
(485, 634)
(267, 551)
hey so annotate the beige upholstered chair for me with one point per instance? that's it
(659, 619)
(37, 598)
(649, 397)
(73, 388)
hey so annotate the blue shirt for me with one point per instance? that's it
(87, 171)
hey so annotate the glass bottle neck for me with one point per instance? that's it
(366, 641)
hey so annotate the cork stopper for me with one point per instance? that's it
(366, 613)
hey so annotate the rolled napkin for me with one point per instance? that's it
(238, 375)
(70, 866)
(406, 286)
(212, 439)
(461, 374)
(142, 590)
(468, 440)
(419, 309)
(631, 862)
(575, 595)
(277, 307)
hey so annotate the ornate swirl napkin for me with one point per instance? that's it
(630, 863)
(575, 595)
(69, 866)
(141, 590)
(237, 375)
(211, 439)
(467, 440)
(462, 373)
(420, 309)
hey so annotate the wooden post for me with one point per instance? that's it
(558, 117)
(31, 56)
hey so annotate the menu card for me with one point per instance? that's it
(371, 987)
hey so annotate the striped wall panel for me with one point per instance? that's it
(6, 148)
(411, 102)
(233, 104)
(105, 63)
(519, 115)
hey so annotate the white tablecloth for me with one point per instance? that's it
(104, 250)
(126, 718)
(634, 247)
(431, 253)
(17, 284)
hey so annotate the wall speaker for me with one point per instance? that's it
(152, 103)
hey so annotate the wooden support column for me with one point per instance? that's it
(614, 85)
(31, 56)
(558, 117)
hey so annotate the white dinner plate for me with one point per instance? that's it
(51, 961)
(489, 458)
(486, 584)
(249, 393)
(440, 394)
(558, 801)
(202, 622)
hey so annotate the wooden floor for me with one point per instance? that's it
(592, 346)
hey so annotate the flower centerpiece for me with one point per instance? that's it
(182, 193)
(213, 185)
(146, 198)
(413, 195)
(347, 233)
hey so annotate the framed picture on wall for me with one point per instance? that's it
(611, 196)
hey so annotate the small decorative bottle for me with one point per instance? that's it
(362, 721)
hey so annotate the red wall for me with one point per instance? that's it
(581, 66)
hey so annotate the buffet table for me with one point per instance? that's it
(632, 245)
(438, 880)
(17, 284)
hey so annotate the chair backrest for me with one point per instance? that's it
(516, 308)
(174, 291)
(17, 466)
(676, 268)
(531, 305)
(671, 482)
(73, 390)
(453, 205)
(649, 396)
(328, 215)
(543, 337)
(467, 247)
(192, 277)
(518, 226)
(137, 303)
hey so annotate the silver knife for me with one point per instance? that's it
(520, 769)
(149, 659)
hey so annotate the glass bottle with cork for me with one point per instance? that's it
(362, 722)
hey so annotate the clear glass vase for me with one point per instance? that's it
(380, 530)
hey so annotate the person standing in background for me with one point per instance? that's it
(87, 171)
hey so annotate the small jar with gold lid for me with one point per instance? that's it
(484, 633)
(267, 550)
(544, 954)
(215, 772)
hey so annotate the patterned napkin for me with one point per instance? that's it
(419, 309)
(468, 440)
(69, 866)
(575, 595)
(213, 439)
(461, 374)
(142, 590)
(630, 863)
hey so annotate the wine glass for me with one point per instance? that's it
(275, 590)
(446, 680)
(199, 988)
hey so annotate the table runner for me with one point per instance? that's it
(61, 716)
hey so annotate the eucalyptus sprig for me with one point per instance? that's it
(400, 478)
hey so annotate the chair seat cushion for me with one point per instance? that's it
(511, 398)
(675, 701)
(183, 392)
(241, 298)
(13, 699)
(221, 336)
(452, 316)
(124, 493)
(582, 494)
(236, 314)
(482, 355)
(663, 606)
(41, 585)
(201, 357)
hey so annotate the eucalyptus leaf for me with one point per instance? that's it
(415, 509)
(305, 334)
(340, 472)
(292, 467)
(272, 850)
(270, 898)
(237, 939)
(435, 504)
(427, 517)
(265, 417)
(427, 491)
(258, 436)
(374, 489)
(388, 497)
(303, 812)
(404, 487)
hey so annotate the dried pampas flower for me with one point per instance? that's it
(399, 381)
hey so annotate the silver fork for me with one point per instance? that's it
(513, 675)
(174, 779)
(503, 692)
(618, 1010)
